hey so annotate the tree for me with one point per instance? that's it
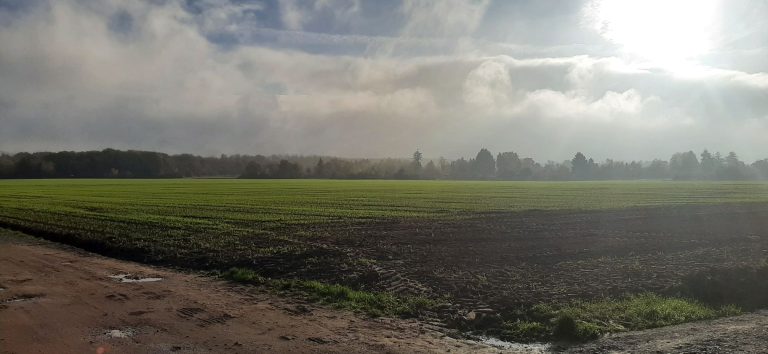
(709, 165)
(580, 166)
(417, 158)
(7, 168)
(529, 168)
(732, 160)
(553, 171)
(485, 165)
(320, 169)
(430, 171)
(287, 169)
(444, 166)
(684, 165)
(761, 169)
(508, 165)
(460, 169)
(734, 167)
(658, 169)
(252, 170)
(111, 163)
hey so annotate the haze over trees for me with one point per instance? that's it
(110, 163)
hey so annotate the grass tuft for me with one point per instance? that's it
(585, 320)
(371, 303)
(243, 275)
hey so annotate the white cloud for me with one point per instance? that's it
(445, 22)
(224, 16)
(442, 18)
(488, 86)
(69, 82)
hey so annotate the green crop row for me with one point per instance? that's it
(203, 220)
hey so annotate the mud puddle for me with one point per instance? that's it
(22, 298)
(522, 347)
(120, 333)
(129, 278)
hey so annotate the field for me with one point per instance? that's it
(481, 250)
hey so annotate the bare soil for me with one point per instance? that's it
(504, 262)
(740, 334)
(487, 265)
(58, 300)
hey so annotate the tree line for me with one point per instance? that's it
(111, 163)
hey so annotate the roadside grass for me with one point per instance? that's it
(575, 321)
(585, 320)
(374, 304)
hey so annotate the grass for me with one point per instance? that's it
(204, 221)
(584, 320)
(269, 203)
(338, 296)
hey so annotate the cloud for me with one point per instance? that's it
(442, 18)
(447, 23)
(150, 75)
(297, 14)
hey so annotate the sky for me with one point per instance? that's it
(628, 80)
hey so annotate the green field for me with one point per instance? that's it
(266, 203)
(193, 214)
(211, 219)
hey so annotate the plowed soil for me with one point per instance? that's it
(502, 262)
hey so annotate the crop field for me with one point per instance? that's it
(481, 247)
(266, 204)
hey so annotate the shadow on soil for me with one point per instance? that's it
(742, 286)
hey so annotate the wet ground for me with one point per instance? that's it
(740, 334)
(62, 300)
(59, 300)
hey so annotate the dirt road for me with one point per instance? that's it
(59, 300)
(740, 334)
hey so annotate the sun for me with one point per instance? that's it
(664, 32)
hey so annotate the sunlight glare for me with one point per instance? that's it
(664, 32)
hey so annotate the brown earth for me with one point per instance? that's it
(490, 263)
(500, 262)
(505, 262)
(740, 334)
(55, 299)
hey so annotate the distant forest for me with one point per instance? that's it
(110, 163)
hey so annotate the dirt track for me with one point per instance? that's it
(58, 300)
(742, 334)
